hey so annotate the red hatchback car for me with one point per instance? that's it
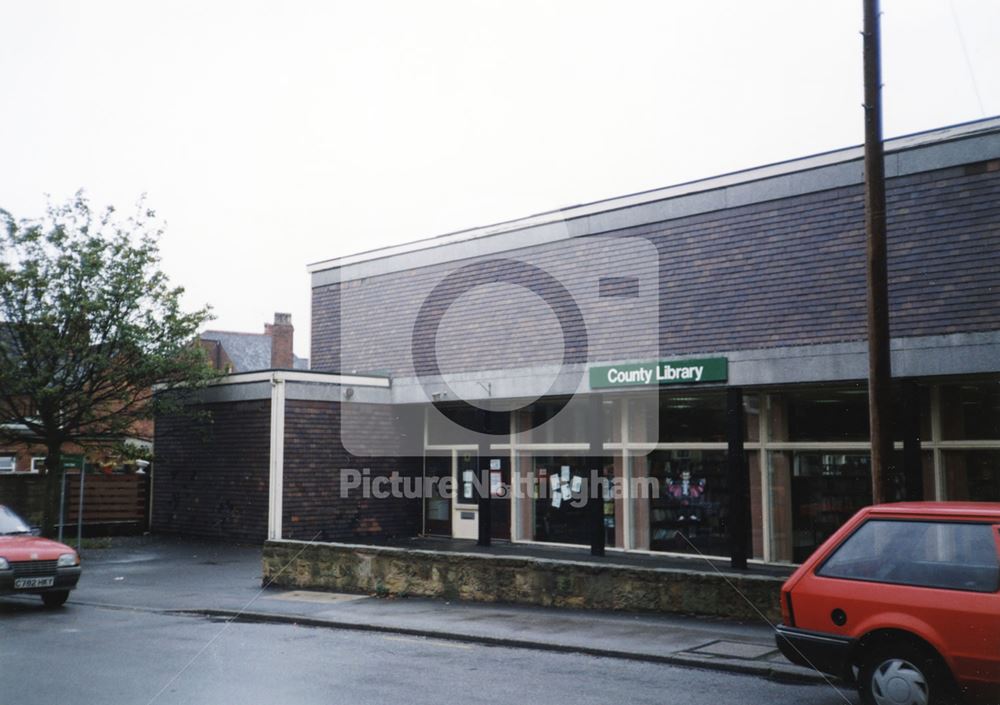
(33, 565)
(904, 601)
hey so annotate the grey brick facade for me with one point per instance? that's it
(787, 272)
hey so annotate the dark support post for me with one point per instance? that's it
(485, 501)
(879, 360)
(595, 433)
(739, 482)
(62, 503)
(79, 515)
(913, 466)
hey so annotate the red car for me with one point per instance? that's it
(31, 564)
(904, 601)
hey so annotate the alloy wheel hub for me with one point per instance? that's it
(899, 682)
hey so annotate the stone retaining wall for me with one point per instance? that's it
(485, 578)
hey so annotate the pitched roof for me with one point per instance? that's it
(249, 351)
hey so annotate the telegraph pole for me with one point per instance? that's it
(879, 360)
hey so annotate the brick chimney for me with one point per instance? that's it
(281, 332)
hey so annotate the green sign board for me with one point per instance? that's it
(651, 374)
(72, 462)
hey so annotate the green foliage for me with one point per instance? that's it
(89, 326)
(90, 323)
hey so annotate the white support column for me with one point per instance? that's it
(628, 539)
(277, 459)
(764, 464)
(940, 489)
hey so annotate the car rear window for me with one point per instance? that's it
(949, 555)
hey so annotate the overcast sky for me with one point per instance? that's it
(274, 134)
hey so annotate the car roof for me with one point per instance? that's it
(979, 510)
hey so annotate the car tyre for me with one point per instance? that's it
(904, 673)
(55, 599)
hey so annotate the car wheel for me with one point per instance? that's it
(903, 673)
(55, 599)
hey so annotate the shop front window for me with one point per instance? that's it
(551, 421)
(972, 475)
(442, 430)
(684, 417)
(827, 415)
(561, 495)
(688, 503)
(813, 494)
(970, 411)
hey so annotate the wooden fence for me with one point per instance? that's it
(107, 499)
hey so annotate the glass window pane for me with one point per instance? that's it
(612, 425)
(972, 475)
(442, 430)
(751, 417)
(681, 417)
(561, 495)
(813, 494)
(901, 407)
(688, 506)
(437, 504)
(970, 411)
(955, 556)
(552, 422)
(828, 414)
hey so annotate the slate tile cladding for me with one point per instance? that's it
(313, 463)
(784, 272)
(211, 477)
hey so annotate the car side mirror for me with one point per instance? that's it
(36, 531)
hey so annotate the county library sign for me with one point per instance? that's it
(643, 374)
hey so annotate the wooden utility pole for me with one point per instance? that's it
(879, 360)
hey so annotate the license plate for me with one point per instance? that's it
(28, 583)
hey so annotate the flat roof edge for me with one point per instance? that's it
(282, 375)
(894, 145)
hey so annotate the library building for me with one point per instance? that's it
(648, 338)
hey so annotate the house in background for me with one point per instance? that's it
(231, 352)
(116, 495)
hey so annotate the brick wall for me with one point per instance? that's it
(211, 476)
(784, 272)
(314, 461)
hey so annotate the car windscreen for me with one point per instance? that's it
(11, 523)
(949, 555)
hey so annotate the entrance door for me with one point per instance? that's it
(500, 491)
(437, 505)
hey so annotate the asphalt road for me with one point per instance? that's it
(84, 654)
(116, 643)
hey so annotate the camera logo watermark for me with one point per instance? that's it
(472, 345)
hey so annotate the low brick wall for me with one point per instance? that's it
(550, 583)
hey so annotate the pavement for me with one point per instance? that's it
(223, 582)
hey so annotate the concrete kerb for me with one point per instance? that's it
(773, 671)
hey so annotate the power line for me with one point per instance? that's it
(965, 53)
